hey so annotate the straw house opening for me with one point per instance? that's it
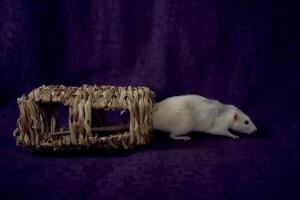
(112, 121)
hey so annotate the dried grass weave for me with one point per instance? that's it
(38, 128)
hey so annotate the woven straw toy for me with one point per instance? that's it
(38, 127)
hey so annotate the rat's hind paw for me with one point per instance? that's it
(185, 138)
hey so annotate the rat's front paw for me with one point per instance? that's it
(233, 136)
(186, 138)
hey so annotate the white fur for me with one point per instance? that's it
(180, 115)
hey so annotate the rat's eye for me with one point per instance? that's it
(246, 122)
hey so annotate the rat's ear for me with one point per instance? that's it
(236, 116)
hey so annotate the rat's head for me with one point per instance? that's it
(240, 122)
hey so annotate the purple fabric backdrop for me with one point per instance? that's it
(240, 52)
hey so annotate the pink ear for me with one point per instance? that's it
(235, 116)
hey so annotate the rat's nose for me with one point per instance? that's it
(254, 131)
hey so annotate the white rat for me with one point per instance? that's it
(180, 115)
